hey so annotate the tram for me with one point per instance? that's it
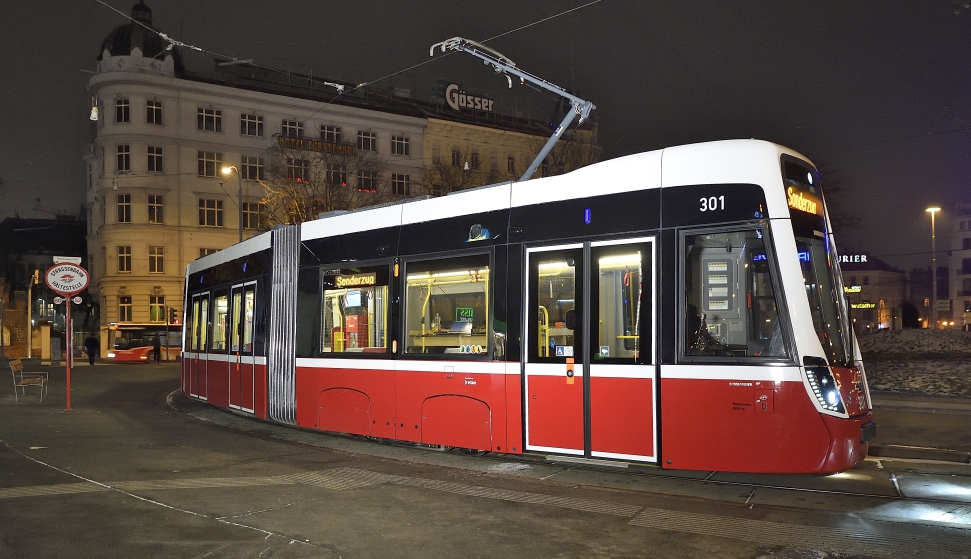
(680, 307)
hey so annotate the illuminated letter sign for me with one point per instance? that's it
(357, 280)
(803, 201)
(458, 100)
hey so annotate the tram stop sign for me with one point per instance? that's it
(66, 279)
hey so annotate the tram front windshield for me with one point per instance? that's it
(817, 259)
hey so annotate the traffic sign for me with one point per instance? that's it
(77, 300)
(58, 300)
(66, 279)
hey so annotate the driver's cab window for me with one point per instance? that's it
(731, 307)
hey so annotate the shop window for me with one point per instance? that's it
(447, 307)
(730, 304)
(355, 316)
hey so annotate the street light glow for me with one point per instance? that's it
(228, 170)
(932, 209)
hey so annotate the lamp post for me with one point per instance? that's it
(227, 171)
(933, 210)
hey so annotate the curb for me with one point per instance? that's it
(919, 453)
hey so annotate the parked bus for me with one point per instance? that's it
(681, 307)
(131, 342)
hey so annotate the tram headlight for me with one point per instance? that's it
(825, 389)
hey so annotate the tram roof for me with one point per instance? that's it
(724, 161)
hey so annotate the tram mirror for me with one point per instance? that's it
(571, 319)
(570, 262)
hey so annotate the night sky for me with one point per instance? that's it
(876, 92)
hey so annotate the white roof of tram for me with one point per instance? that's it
(720, 162)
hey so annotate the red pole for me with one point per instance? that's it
(70, 351)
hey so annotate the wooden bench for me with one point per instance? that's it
(22, 379)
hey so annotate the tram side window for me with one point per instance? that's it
(730, 305)
(193, 344)
(203, 321)
(220, 322)
(355, 310)
(447, 307)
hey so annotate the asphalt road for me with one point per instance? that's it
(135, 470)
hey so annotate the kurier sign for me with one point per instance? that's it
(67, 279)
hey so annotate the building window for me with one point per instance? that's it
(154, 159)
(866, 280)
(251, 215)
(367, 181)
(400, 145)
(210, 164)
(211, 213)
(298, 169)
(400, 184)
(251, 168)
(475, 159)
(493, 163)
(209, 119)
(330, 134)
(511, 164)
(122, 110)
(153, 112)
(852, 280)
(436, 154)
(207, 251)
(251, 125)
(966, 265)
(155, 209)
(292, 129)
(337, 174)
(156, 260)
(124, 308)
(456, 157)
(124, 259)
(156, 308)
(367, 141)
(124, 158)
(124, 208)
(966, 243)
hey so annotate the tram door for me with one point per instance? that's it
(242, 369)
(590, 354)
(199, 329)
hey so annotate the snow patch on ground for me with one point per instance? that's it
(925, 361)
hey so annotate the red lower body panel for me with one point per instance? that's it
(752, 426)
(622, 416)
(465, 410)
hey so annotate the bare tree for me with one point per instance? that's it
(576, 148)
(463, 170)
(306, 177)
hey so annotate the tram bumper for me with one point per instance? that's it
(849, 441)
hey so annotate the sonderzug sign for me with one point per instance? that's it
(803, 201)
(458, 100)
(67, 279)
(357, 280)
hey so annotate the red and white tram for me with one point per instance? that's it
(680, 307)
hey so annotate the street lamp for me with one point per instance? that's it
(227, 171)
(933, 210)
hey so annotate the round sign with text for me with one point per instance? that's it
(67, 279)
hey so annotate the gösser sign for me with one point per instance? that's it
(67, 279)
(458, 100)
